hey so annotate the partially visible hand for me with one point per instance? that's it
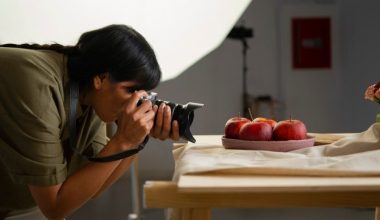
(163, 127)
(135, 122)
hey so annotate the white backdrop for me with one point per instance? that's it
(180, 31)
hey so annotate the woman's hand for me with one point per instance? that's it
(164, 128)
(135, 122)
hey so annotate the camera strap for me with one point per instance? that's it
(74, 96)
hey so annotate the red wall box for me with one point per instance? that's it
(311, 42)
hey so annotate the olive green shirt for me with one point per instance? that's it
(34, 106)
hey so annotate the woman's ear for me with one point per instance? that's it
(100, 79)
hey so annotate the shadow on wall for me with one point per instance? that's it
(214, 81)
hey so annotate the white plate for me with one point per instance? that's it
(280, 146)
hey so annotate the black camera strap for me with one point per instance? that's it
(74, 96)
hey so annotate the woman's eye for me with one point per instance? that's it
(130, 90)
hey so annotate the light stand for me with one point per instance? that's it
(242, 33)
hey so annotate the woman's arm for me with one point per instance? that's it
(161, 130)
(59, 201)
(116, 174)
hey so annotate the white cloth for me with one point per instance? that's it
(354, 155)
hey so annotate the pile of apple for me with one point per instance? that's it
(265, 129)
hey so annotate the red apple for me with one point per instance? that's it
(256, 131)
(270, 121)
(290, 129)
(233, 125)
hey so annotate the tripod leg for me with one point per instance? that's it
(135, 215)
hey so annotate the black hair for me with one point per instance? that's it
(117, 49)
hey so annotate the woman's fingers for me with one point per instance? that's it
(137, 120)
(166, 125)
(144, 107)
(154, 119)
(158, 121)
(162, 126)
(133, 101)
(175, 131)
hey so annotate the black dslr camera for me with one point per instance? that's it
(184, 114)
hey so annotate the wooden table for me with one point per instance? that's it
(196, 195)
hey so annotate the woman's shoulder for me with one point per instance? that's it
(16, 60)
(32, 77)
(25, 67)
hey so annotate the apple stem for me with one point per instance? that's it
(290, 117)
(250, 113)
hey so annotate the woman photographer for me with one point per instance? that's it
(109, 69)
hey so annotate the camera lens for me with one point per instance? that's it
(184, 114)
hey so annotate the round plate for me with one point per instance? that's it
(280, 146)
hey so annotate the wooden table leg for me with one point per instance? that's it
(196, 214)
(377, 213)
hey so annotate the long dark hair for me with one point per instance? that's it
(117, 49)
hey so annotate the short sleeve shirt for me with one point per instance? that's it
(34, 134)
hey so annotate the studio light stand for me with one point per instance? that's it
(243, 33)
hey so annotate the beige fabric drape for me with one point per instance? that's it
(351, 155)
(354, 155)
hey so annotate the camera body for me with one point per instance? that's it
(184, 114)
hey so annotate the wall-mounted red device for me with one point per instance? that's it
(311, 42)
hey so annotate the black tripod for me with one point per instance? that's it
(242, 33)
